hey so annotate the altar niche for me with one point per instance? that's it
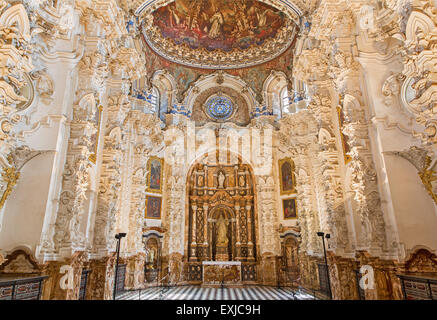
(222, 226)
(221, 222)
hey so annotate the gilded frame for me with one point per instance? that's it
(295, 208)
(161, 175)
(147, 204)
(93, 156)
(293, 176)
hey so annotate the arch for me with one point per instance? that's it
(290, 256)
(153, 250)
(273, 89)
(324, 136)
(88, 103)
(220, 80)
(165, 83)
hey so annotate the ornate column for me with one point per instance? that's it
(250, 244)
(364, 182)
(148, 137)
(193, 254)
(328, 180)
(175, 226)
(205, 232)
(110, 179)
(238, 222)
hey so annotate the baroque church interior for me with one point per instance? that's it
(194, 144)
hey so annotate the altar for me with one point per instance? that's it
(216, 273)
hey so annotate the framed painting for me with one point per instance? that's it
(153, 207)
(290, 208)
(154, 176)
(286, 176)
(97, 119)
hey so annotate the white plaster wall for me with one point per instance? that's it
(25, 208)
(415, 212)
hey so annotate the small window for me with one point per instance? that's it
(285, 101)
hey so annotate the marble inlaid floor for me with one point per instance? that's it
(198, 293)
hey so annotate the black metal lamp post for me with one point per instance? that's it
(118, 236)
(327, 236)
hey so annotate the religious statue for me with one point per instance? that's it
(221, 180)
(242, 181)
(200, 181)
(222, 230)
(151, 256)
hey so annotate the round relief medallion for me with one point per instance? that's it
(220, 108)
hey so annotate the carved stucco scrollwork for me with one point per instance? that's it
(149, 139)
(268, 215)
(175, 215)
(16, 89)
(109, 198)
(66, 234)
(392, 87)
(419, 90)
(363, 176)
(329, 186)
(298, 139)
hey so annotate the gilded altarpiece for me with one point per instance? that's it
(221, 217)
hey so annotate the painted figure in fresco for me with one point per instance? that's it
(155, 175)
(222, 230)
(287, 177)
(218, 24)
(289, 209)
(217, 21)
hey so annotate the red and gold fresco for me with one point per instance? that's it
(253, 76)
(219, 24)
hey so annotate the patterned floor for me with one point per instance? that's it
(198, 293)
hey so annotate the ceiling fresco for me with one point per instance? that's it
(220, 24)
(185, 76)
(218, 34)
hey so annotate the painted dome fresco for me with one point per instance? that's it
(218, 34)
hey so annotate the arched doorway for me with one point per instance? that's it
(152, 246)
(221, 219)
(222, 232)
(291, 258)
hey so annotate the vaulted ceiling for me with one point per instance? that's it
(247, 38)
(219, 34)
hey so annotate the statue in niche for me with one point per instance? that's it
(221, 180)
(150, 258)
(200, 181)
(242, 181)
(222, 230)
